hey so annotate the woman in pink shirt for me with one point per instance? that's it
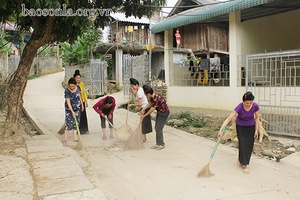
(105, 108)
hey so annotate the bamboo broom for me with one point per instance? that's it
(79, 142)
(205, 171)
(135, 141)
(124, 131)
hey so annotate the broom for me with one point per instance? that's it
(124, 131)
(62, 129)
(205, 169)
(135, 140)
(79, 143)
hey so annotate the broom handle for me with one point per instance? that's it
(127, 108)
(110, 123)
(77, 127)
(217, 144)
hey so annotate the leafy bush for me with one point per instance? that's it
(80, 51)
(188, 120)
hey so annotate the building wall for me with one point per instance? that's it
(200, 37)
(258, 35)
(272, 33)
(219, 98)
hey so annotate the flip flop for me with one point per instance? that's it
(111, 137)
(160, 147)
(104, 138)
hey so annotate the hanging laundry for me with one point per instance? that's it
(199, 77)
(130, 28)
(205, 78)
(215, 64)
(204, 64)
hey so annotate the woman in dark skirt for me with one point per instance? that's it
(83, 126)
(141, 101)
(247, 119)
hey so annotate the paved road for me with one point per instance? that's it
(147, 174)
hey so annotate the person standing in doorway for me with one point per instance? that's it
(83, 126)
(105, 108)
(141, 101)
(158, 103)
(178, 38)
(73, 103)
(247, 120)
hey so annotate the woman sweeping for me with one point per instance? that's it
(247, 120)
(83, 126)
(158, 103)
(73, 104)
(141, 101)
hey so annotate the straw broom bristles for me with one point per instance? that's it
(62, 129)
(124, 131)
(205, 171)
(135, 140)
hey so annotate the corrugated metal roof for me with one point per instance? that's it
(121, 17)
(200, 14)
(183, 5)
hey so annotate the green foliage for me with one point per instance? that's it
(47, 50)
(4, 47)
(188, 120)
(109, 68)
(78, 52)
(33, 76)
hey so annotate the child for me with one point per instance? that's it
(178, 37)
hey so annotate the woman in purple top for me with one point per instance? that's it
(247, 119)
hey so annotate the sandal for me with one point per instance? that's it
(144, 140)
(64, 142)
(154, 147)
(160, 147)
(111, 137)
(104, 138)
(75, 140)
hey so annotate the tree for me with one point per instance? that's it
(78, 51)
(50, 25)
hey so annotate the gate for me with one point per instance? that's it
(98, 77)
(135, 67)
(274, 78)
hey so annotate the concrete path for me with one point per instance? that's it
(103, 170)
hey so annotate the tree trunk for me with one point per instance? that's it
(17, 87)
(43, 34)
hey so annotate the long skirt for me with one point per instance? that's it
(69, 120)
(146, 123)
(246, 142)
(83, 126)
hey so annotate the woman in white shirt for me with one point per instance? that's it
(141, 101)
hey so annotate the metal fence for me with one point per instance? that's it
(135, 67)
(182, 74)
(98, 77)
(274, 78)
